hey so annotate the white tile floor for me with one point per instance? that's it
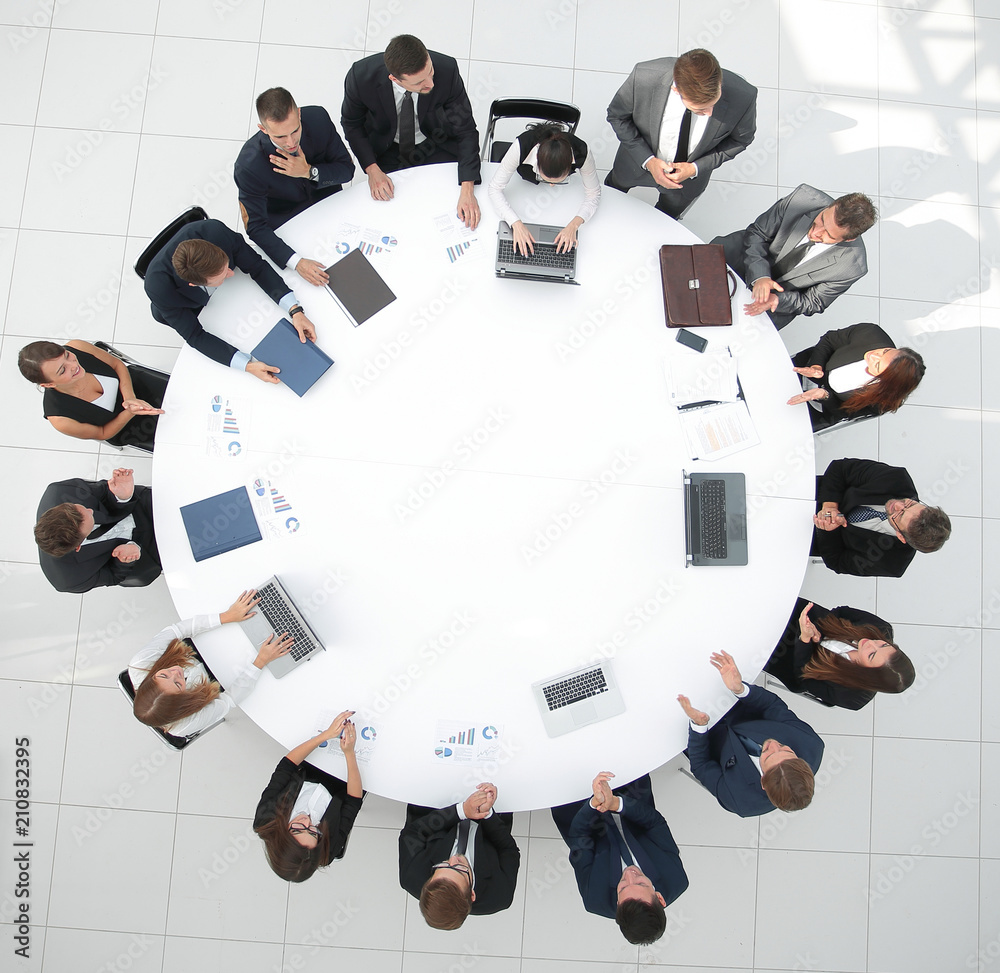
(117, 115)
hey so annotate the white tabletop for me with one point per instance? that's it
(488, 483)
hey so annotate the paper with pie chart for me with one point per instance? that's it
(466, 742)
(227, 419)
(275, 513)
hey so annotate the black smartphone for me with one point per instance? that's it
(692, 340)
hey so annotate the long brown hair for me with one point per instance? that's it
(889, 390)
(288, 859)
(895, 676)
(156, 708)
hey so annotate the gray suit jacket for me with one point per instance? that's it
(810, 287)
(636, 111)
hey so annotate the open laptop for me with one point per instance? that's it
(577, 698)
(543, 264)
(276, 613)
(715, 519)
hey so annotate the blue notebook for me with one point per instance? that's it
(301, 364)
(221, 523)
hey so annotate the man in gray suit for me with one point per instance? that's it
(801, 253)
(678, 119)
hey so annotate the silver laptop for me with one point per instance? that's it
(715, 519)
(276, 613)
(577, 698)
(543, 264)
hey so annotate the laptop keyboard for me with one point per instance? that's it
(712, 504)
(281, 618)
(544, 256)
(572, 690)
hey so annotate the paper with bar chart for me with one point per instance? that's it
(274, 511)
(466, 742)
(226, 422)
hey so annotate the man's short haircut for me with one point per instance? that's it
(197, 260)
(641, 922)
(698, 76)
(274, 105)
(855, 213)
(405, 54)
(790, 785)
(58, 530)
(929, 531)
(443, 904)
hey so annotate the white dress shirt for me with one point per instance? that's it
(670, 127)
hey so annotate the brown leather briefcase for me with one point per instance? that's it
(696, 282)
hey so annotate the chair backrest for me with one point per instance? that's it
(191, 215)
(148, 376)
(539, 109)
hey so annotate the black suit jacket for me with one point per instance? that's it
(721, 762)
(287, 781)
(176, 303)
(842, 347)
(857, 550)
(427, 838)
(93, 566)
(636, 112)
(594, 853)
(791, 655)
(271, 198)
(369, 119)
(810, 287)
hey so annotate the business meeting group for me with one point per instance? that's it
(677, 119)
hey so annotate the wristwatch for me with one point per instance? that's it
(295, 309)
(314, 174)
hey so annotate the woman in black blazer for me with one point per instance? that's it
(841, 657)
(305, 815)
(855, 372)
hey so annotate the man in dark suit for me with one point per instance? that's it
(378, 118)
(295, 160)
(626, 862)
(870, 521)
(97, 534)
(759, 756)
(459, 859)
(678, 119)
(803, 252)
(202, 255)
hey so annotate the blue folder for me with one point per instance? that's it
(221, 523)
(301, 364)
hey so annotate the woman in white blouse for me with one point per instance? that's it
(855, 372)
(173, 691)
(305, 815)
(546, 153)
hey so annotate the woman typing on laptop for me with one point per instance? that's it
(174, 691)
(305, 815)
(546, 153)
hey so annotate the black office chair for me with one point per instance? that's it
(538, 109)
(170, 739)
(150, 384)
(191, 215)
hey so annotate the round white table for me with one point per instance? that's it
(488, 483)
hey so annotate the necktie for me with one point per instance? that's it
(792, 259)
(618, 838)
(683, 137)
(752, 746)
(407, 128)
(861, 513)
(463, 828)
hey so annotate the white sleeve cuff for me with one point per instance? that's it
(287, 302)
(293, 261)
(239, 361)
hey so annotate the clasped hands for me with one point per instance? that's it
(670, 175)
(480, 802)
(730, 673)
(829, 517)
(604, 798)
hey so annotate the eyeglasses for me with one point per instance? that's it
(461, 869)
(303, 829)
(906, 506)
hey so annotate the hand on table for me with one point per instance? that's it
(312, 271)
(759, 307)
(468, 207)
(808, 396)
(340, 721)
(349, 737)
(379, 184)
(140, 407)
